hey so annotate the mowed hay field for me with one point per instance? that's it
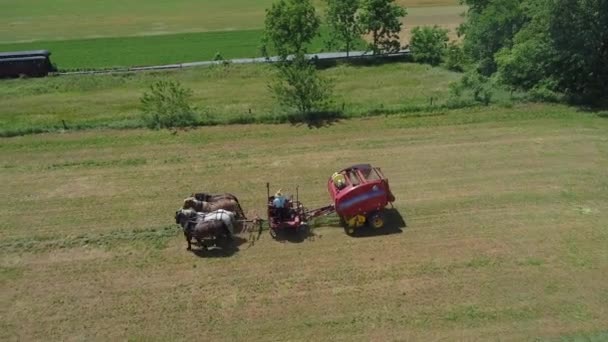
(506, 211)
(104, 34)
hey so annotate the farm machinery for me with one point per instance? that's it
(359, 195)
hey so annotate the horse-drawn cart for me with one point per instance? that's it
(290, 217)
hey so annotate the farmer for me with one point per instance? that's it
(338, 180)
(279, 203)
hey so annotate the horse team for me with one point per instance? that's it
(206, 216)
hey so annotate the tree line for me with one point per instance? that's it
(546, 46)
(549, 49)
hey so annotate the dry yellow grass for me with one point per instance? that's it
(506, 212)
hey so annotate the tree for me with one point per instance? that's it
(428, 44)
(548, 54)
(290, 26)
(579, 35)
(298, 86)
(527, 61)
(344, 29)
(489, 27)
(382, 19)
(550, 47)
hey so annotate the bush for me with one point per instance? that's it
(455, 58)
(545, 91)
(479, 87)
(167, 104)
(428, 44)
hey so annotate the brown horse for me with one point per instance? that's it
(206, 207)
(199, 229)
(207, 197)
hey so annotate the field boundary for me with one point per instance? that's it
(323, 57)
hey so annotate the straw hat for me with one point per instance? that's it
(278, 193)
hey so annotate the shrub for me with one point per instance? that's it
(479, 87)
(167, 104)
(545, 91)
(455, 58)
(428, 44)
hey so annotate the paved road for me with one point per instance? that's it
(320, 56)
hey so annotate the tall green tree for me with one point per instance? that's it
(382, 19)
(579, 34)
(489, 27)
(298, 86)
(289, 27)
(344, 29)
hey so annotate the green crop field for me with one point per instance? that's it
(105, 34)
(226, 94)
(150, 50)
(506, 212)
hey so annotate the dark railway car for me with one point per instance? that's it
(25, 63)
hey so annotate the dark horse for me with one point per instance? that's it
(207, 197)
(199, 229)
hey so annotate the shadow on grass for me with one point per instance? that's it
(221, 249)
(315, 119)
(395, 223)
(295, 236)
(363, 61)
(600, 109)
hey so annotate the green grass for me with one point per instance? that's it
(225, 94)
(505, 238)
(142, 51)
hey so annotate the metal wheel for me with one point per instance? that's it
(273, 233)
(376, 220)
(304, 230)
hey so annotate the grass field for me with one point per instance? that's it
(149, 50)
(96, 34)
(506, 211)
(226, 94)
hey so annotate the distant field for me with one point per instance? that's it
(25, 20)
(506, 211)
(150, 50)
(225, 93)
(104, 34)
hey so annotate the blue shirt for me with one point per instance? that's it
(279, 202)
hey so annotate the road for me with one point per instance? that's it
(324, 56)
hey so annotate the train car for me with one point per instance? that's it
(35, 63)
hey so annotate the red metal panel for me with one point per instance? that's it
(366, 197)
